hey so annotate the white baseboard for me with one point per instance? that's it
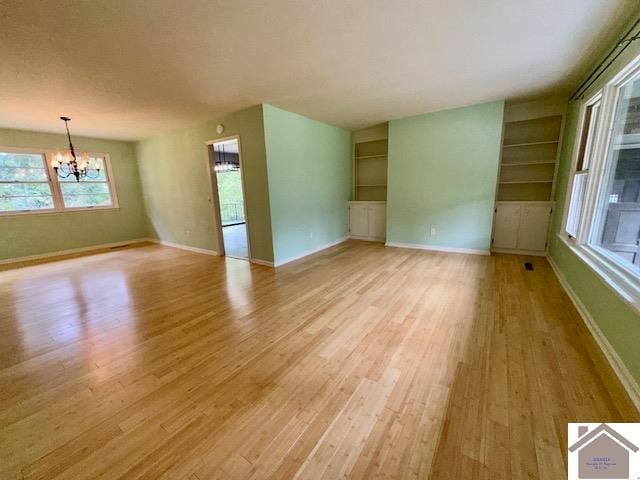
(367, 239)
(188, 248)
(628, 381)
(60, 253)
(311, 252)
(437, 248)
(257, 261)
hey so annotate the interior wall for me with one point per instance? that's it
(33, 234)
(618, 322)
(309, 165)
(175, 177)
(443, 169)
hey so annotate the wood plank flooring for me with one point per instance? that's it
(361, 362)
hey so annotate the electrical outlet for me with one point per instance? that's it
(434, 232)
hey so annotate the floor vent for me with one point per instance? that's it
(528, 266)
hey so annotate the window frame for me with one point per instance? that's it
(616, 274)
(56, 190)
(595, 138)
(48, 181)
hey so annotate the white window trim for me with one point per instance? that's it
(618, 276)
(56, 191)
(579, 238)
(621, 281)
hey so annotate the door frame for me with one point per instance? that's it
(215, 199)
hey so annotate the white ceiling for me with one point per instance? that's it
(132, 68)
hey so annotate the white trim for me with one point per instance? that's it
(367, 239)
(214, 199)
(311, 252)
(624, 284)
(188, 248)
(628, 381)
(439, 248)
(257, 261)
(70, 251)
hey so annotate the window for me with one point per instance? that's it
(602, 215)
(581, 172)
(617, 211)
(28, 184)
(90, 192)
(24, 182)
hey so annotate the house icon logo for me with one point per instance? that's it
(604, 451)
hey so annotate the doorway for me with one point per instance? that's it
(229, 205)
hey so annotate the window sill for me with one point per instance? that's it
(56, 212)
(622, 282)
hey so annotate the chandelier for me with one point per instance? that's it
(225, 161)
(66, 163)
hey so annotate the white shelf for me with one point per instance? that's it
(529, 144)
(512, 182)
(518, 164)
(526, 202)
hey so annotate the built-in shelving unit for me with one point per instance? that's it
(529, 156)
(524, 200)
(370, 170)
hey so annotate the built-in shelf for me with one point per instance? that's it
(513, 182)
(366, 157)
(529, 144)
(518, 164)
(370, 170)
(529, 159)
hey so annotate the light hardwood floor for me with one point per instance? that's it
(359, 362)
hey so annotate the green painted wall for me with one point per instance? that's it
(174, 174)
(619, 323)
(309, 166)
(24, 235)
(442, 174)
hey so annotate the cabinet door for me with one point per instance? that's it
(359, 220)
(505, 226)
(378, 221)
(534, 224)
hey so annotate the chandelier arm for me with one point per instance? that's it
(68, 171)
(64, 174)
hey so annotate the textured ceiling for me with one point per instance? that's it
(131, 68)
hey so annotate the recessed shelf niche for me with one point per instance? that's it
(370, 169)
(529, 156)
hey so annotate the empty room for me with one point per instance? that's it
(356, 239)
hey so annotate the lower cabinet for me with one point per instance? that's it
(521, 227)
(368, 220)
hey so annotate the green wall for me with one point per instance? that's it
(618, 322)
(443, 168)
(309, 165)
(33, 234)
(174, 174)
